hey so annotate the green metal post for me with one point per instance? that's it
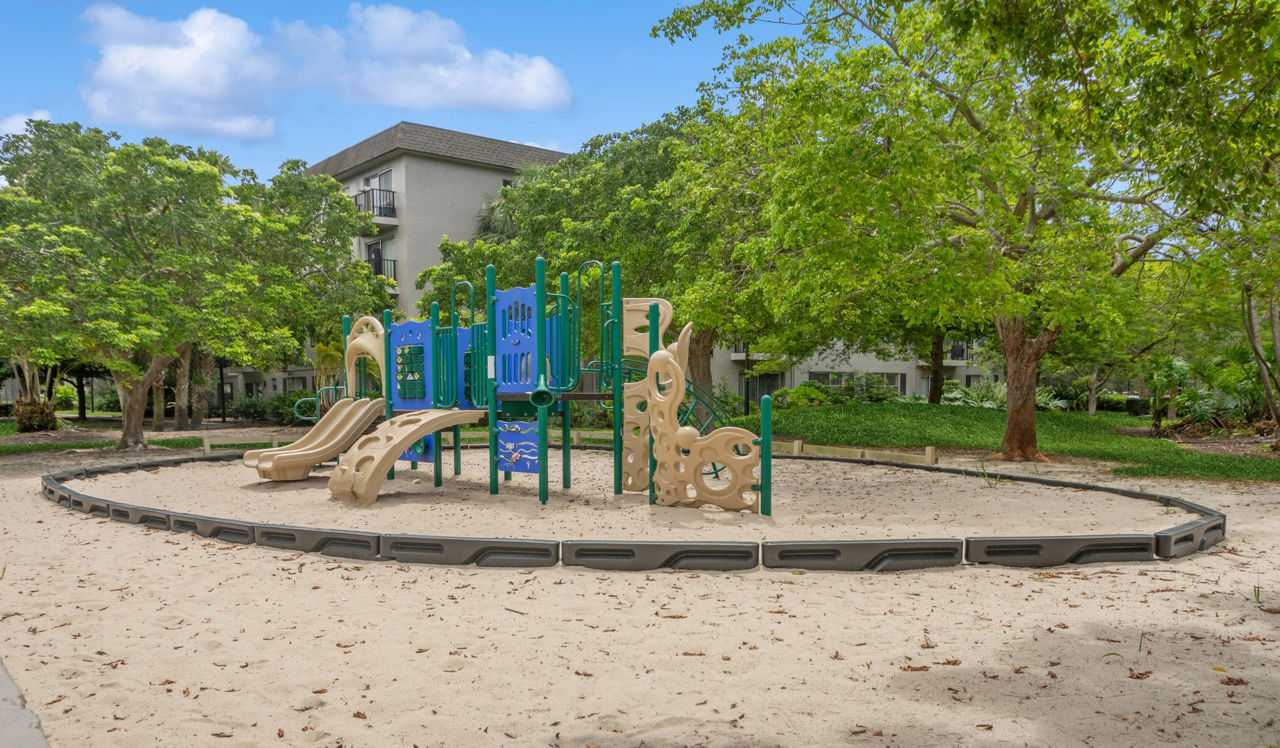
(457, 430)
(565, 352)
(491, 381)
(540, 376)
(346, 333)
(457, 450)
(766, 455)
(615, 342)
(437, 458)
(654, 342)
(388, 363)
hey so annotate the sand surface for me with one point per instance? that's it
(123, 636)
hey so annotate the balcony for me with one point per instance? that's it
(385, 268)
(380, 203)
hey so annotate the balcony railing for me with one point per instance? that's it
(383, 267)
(381, 203)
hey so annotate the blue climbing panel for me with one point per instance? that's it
(421, 450)
(518, 446)
(411, 365)
(516, 369)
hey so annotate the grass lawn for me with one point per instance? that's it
(1070, 434)
(186, 442)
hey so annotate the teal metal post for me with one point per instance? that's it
(654, 342)
(388, 365)
(615, 343)
(457, 430)
(491, 374)
(540, 377)
(437, 458)
(766, 455)
(457, 450)
(565, 351)
(349, 389)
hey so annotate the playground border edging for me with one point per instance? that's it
(621, 555)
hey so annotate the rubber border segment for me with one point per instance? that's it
(340, 543)
(1188, 538)
(627, 555)
(453, 551)
(863, 555)
(1056, 550)
(214, 528)
(139, 515)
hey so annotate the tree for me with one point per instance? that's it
(179, 248)
(940, 155)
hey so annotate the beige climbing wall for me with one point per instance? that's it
(635, 324)
(635, 423)
(361, 471)
(684, 457)
(365, 339)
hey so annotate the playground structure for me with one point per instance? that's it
(518, 366)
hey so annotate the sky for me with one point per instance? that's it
(266, 81)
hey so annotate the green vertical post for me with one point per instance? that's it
(766, 455)
(540, 368)
(565, 351)
(457, 450)
(615, 344)
(462, 384)
(437, 458)
(388, 365)
(346, 333)
(654, 341)
(490, 373)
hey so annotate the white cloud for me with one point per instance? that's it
(391, 55)
(210, 73)
(16, 123)
(204, 74)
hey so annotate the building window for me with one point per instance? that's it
(380, 254)
(292, 384)
(754, 388)
(896, 380)
(506, 183)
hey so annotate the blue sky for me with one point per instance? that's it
(265, 81)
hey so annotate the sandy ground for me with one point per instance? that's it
(124, 636)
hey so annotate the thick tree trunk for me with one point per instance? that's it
(201, 388)
(181, 392)
(81, 413)
(1265, 373)
(1022, 373)
(1094, 384)
(700, 347)
(935, 368)
(157, 406)
(133, 391)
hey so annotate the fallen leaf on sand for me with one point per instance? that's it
(280, 732)
(1139, 676)
(947, 662)
(584, 673)
(1234, 682)
(221, 734)
(359, 715)
(914, 668)
(985, 727)
(694, 654)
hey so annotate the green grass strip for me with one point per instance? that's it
(1059, 433)
(183, 442)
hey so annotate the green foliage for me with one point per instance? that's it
(1062, 433)
(64, 396)
(31, 415)
(249, 408)
(6, 411)
(181, 442)
(280, 407)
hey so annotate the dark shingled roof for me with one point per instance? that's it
(434, 141)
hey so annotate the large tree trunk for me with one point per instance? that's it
(1094, 384)
(1259, 354)
(133, 391)
(157, 405)
(700, 347)
(1022, 373)
(81, 413)
(181, 392)
(201, 388)
(935, 368)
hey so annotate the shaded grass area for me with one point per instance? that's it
(1059, 433)
(181, 442)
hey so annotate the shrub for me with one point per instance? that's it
(107, 401)
(30, 415)
(1199, 406)
(6, 410)
(731, 402)
(1113, 402)
(64, 397)
(251, 408)
(280, 407)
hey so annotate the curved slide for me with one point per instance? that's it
(332, 435)
(362, 469)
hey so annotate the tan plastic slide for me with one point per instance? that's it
(362, 469)
(345, 422)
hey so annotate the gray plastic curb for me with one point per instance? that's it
(622, 555)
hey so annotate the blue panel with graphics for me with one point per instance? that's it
(518, 446)
(464, 356)
(411, 365)
(421, 450)
(516, 369)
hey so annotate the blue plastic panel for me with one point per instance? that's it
(464, 347)
(421, 451)
(517, 370)
(411, 365)
(518, 446)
